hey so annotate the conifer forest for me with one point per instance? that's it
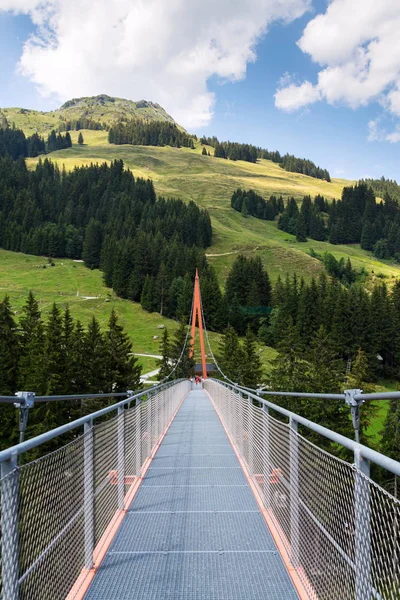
(148, 247)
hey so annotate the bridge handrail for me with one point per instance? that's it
(340, 529)
(360, 451)
(58, 511)
(10, 454)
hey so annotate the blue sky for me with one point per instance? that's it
(331, 130)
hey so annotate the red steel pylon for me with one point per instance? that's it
(198, 316)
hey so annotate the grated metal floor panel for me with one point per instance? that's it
(194, 530)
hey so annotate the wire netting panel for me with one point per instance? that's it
(105, 470)
(56, 511)
(340, 530)
(50, 521)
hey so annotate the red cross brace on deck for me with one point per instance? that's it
(198, 316)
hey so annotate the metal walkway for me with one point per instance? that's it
(194, 530)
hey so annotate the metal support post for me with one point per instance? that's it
(362, 520)
(355, 410)
(266, 457)
(88, 502)
(9, 529)
(26, 400)
(294, 494)
(121, 457)
(138, 420)
(156, 416)
(149, 423)
(240, 443)
(251, 436)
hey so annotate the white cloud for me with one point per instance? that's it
(160, 50)
(378, 132)
(394, 136)
(375, 132)
(293, 97)
(357, 45)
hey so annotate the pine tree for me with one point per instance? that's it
(185, 367)
(252, 368)
(161, 288)
(325, 373)
(80, 138)
(230, 356)
(92, 245)
(289, 367)
(9, 350)
(96, 362)
(147, 296)
(123, 370)
(32, 359)
(185, 299)
(358, 379)
(204, 151)
(55, 353)
(78, 360)
(301, 228)
(391, 431)
(213, 303)
(165, 363)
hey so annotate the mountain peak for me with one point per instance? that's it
(102, 109)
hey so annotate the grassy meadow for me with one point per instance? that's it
(70, 283)
(209, 182)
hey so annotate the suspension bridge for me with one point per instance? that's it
(191, 491)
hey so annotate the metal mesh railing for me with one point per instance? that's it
(59, 511)
(340, 529)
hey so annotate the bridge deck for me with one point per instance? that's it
(194, 530)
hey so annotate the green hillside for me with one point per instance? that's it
(70, 283)
(187, 174)
(103, 109)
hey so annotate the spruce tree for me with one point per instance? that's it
(123, 370)
(230, 356)
(161, 287)
(185, 368)
(185, 299)
(96, 359)
(147, 296)
(55, 353)
(32, 359)
(213, 304)
(9, 351)
(92, 245)
(252, 371)
(301, 228)
(80, 138)
(204, 151)
(358, 379)
(78, 360)
(325, 373)
(391, 431)
(165, 363)
(289, 367)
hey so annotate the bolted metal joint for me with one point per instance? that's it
(26, 400)
(349, 397)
